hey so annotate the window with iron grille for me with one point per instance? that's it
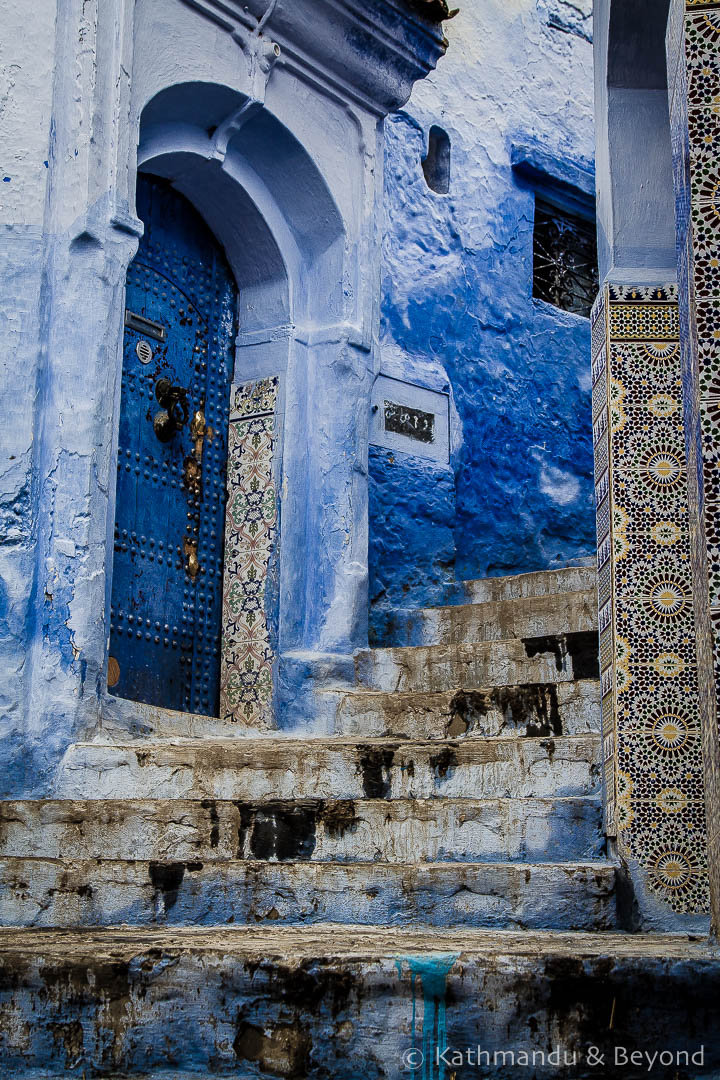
(565, 270)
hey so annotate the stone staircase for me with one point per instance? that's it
(273, 905)
(462, 789)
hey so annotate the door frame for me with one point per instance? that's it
(302, 108)
(289, 279)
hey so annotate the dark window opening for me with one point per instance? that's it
(565, 271)
(436, 165)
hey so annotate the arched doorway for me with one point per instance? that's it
(180, 326)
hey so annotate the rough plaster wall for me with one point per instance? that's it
(411, 520)
(26, 67)
(26, 60)
(457, 290)
(571, 16)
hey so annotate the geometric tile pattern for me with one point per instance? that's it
(652, 750)
(693, 46)
(246, 677)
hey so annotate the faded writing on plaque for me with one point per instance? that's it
(413, 423)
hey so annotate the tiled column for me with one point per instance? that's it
(246, 667)
(651, 737)
(693, 44)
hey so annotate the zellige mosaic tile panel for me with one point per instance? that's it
(652, 757)
(695, 127)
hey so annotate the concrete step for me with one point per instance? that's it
(336, 768)
(45, 892)
(571, 579)
(433, 668)
(367, 830)
(349, 1002)
(494, 620)
(534, 709)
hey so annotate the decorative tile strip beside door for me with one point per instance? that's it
(652, 750)
(250, 535)
(693, 46)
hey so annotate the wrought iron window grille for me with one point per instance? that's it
(565, 272)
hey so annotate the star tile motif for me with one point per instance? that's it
(651, 739)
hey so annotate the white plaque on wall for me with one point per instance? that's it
(410, 419)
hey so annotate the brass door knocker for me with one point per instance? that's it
(174, 415)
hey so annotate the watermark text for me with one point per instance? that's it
(593, 1057)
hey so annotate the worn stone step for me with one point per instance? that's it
(349, 1002)
(45, 892)
(494, 620)
(527, 709)
(336, 768)
(530, 710)
(550, 658)
(446, 830)
(570, 579)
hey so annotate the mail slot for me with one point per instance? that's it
(145, 326)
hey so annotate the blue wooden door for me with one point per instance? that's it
(172, 458)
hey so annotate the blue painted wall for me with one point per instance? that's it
(412, 518)
(457, 296)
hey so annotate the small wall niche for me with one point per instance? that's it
(436, 163)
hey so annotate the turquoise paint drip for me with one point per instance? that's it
(432, 971)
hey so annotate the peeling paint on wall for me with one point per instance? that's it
(569, 16)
